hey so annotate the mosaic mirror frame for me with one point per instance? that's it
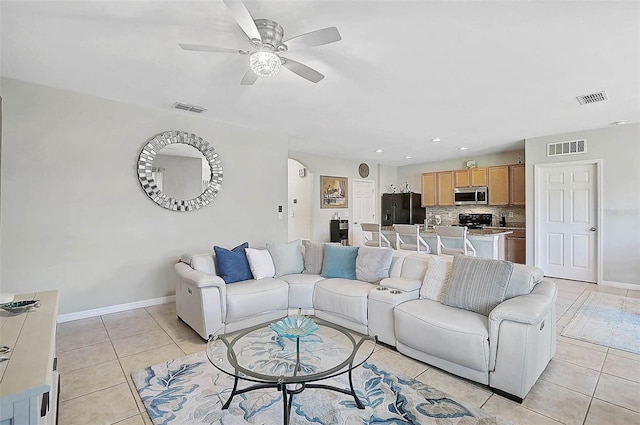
(145, 171)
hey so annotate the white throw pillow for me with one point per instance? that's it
(436, 279)
(260, 262)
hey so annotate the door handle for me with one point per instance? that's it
(593, 229)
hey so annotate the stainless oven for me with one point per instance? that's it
(470, 196)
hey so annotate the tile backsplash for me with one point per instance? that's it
(449, 215)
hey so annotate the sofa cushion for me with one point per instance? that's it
(523, 279)
(313, 256)
(415, 266)
(260, 263)
(343, 297)
(477, 284)
(436, 278)
(339, 261)
(233, 265)
(301, 289)
(287, 257)
(372, 263)
(452, 334)
(203, 262)
(254, 297)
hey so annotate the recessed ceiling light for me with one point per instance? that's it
(621, 122)
(407, 157)
(379, 151)
(463, 148)
(437, 139)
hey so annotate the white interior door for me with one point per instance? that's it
(364, 207)
(566, 236)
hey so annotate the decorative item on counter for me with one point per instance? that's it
(437, 220)
(393, 188)
(294, 326)
(404, 187)
(20, 306)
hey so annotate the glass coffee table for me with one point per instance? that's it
(290, 364)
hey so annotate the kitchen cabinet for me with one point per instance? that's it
(462, 178)
(429, 188)
(516, 247)
(498, 185)
(517, 185)
(444, 183)
(471, 177)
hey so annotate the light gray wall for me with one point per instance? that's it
(412, 174)
(75, 218)
(619, 149)
(300, 190)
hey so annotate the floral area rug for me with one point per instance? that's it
(190, 390)
(609, 320)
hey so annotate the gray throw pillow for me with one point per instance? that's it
(477, 284)
(373, 263)
(287, 257)
(313, 256)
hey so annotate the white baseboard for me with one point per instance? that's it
(619, 285)
(114, 309)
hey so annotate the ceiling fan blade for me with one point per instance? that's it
(314, 38)
(243, 18)
(249, 78)
(302, 70)
(201, 48)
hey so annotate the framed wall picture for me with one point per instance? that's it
(334, 192)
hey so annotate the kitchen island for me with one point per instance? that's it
(489, 243)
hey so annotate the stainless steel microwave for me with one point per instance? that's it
(470, 196)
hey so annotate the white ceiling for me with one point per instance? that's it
(480, 74)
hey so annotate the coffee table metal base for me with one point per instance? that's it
(287, 394)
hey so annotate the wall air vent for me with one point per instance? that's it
(585, 99)
(191, 108)
(571, 147)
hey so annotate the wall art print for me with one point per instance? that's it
(334, 192)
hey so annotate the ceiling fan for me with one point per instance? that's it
(265, 59)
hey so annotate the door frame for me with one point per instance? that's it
(537, 169)
(376, 207)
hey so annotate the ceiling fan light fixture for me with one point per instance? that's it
(265, 63)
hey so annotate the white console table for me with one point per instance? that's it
(28, 380)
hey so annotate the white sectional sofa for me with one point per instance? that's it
(506, 349)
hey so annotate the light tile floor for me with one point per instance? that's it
(583, 384)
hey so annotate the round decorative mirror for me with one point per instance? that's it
(179, 171)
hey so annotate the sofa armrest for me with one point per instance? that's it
(526, 309)
(401, 283)
(198, 278)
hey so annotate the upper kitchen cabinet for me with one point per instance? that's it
(429, 188)
(498, 185)
(471, 177)
(517, 184)
(445, 188)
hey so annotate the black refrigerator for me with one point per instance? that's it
(402, 208)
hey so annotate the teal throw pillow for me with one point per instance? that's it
(233, 266)
(287, 257)
(339, 261)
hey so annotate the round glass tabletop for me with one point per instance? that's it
(260, 354)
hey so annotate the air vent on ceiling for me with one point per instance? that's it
(191, 108)
(571, 147)
(585, 99)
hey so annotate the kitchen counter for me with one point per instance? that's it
(506, 228)
(488, 242)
